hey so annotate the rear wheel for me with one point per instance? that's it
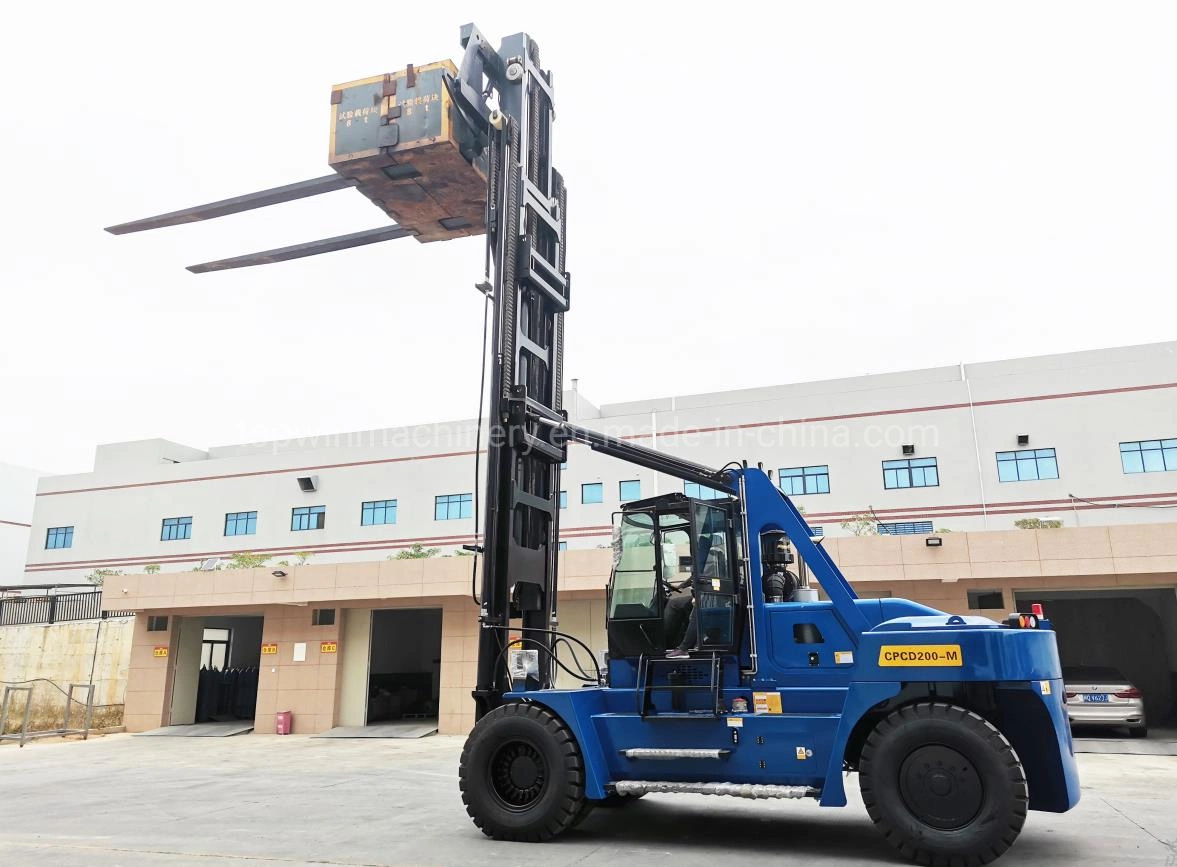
(1140, 732)
(943, 785)
(521, 774)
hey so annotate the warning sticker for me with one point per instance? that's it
(161, 652)
(843, 657)
(920, 655)
(766, 702)
(328, 647)
(1045, 686)
(269, 649)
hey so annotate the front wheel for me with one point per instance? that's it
(943, 785)
(522, 774)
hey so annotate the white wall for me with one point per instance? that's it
(18, 486)
(1081, 404)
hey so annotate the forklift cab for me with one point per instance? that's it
(663, 547)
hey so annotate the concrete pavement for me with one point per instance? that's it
(258, 801)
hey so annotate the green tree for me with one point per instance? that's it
(151, 568)
(860, 525)
(302, 557)
(99, 576)
(416, 552)
(1037, 524)
(246, 560)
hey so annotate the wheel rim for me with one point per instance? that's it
(941, 787)
(518, 775)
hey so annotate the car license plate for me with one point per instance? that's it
(1096, 697)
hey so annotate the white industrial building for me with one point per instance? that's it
(1088, 438)
(18, 487)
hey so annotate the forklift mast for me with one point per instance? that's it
(525, 241)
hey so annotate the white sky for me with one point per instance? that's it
(759, 194)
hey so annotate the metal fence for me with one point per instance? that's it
(54, 608)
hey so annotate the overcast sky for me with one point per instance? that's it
(759, 194)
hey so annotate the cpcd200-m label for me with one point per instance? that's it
(920, 655)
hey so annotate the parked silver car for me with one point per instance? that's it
(1104, 697)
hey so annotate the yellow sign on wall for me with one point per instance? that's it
(328, 647)
(161, 652)
(269, 649)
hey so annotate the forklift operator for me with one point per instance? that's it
(678, 578)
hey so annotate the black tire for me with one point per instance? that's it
(943, 785)
(522, 775)
(1141, 732)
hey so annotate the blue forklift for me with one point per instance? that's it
(727, 673)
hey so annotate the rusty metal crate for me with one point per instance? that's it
(400, 138)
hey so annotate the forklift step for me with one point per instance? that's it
(737, 790)
(661, 753)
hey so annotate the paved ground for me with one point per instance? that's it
(259, 801)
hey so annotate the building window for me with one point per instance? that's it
(631, 490)
(450, 507)
(214, 649)
(378, 512)
(308, 518)
(986, 599)
(323, 617)
(594, 492)
(904, 528)
(563, 499)
(156, 623)
(817, 531)
(1026, 465)
(176, 528)
(240, 523)
(562, 546)
(804, 480)
(1149, 456)
(911, 473)
(59, 537)
(701, 492)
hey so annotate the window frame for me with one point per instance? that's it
(308, 512)
(803, 474)
(52, 534)
(250, 520)
(908, 467)
(621, 498)
(1165, 451)
(600, 486)
(374, 506)
(183, 526)
(904, 528)
(1024, 458)
(462, 501)
(563, 499)
(700, 491)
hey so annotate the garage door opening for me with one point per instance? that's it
(404, 666)
(1133, 632)
(216, 673)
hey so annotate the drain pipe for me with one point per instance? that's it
(976, 448)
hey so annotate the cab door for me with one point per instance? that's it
(635, 598)
(715, 582)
